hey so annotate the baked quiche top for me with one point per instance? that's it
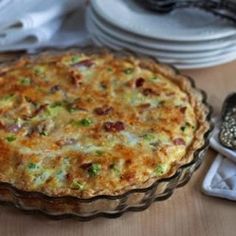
(84, 124)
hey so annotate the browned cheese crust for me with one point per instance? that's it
(84, 124)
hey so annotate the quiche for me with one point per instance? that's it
(84, 124)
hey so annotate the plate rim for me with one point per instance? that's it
(128, 37)
(198, 56)
(100, 11)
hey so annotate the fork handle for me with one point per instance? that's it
(223, 8)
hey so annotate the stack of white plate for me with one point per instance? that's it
(187, 38)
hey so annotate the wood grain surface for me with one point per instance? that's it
(187, 213)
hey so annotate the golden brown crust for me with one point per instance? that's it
(129, 178)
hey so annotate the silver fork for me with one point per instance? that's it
(223, 8)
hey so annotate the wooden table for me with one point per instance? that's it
(187, 213)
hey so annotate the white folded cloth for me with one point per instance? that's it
(51, 23)
(14, 39)
(35, 14)
(220, 181)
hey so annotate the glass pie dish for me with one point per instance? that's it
(132, 199)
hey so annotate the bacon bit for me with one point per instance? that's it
(2, 126)
(14, 128)
(103, 110)
(144, 106)
(55, 88)
(144, 65)
(139, 82)
(179, 141)
(148, 91)
(29, 100)
(86, 166)
(113, 126)
(68, 176)
(170, 93)
(44, 127)
(103, 84)
(128, 176)
(183, 109)
(128, 162)
(65, 142)
(40, 109)
(86, 63)
(76, 78)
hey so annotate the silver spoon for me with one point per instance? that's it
(223, 8)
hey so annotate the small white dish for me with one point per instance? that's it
(182, 24)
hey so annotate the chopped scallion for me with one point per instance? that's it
(94, 169)
(32, 166)
(25, 81)
(161, 169)
(77, 185)
(128, 71)
(11, 138)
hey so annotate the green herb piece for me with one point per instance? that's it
(84, 122)
(161, 169)
(94, 169)
(71, 109)
(44, 133)
(53, 110)
(38, 70)
(25, 81)
(188, 124)
(77, 185)
(129, 71)
(11, 138)
(116, 170)
(75, 59)
(7, 100)
(155, 77)
(19, 121)
(109, 69)
(148, 137)
(162, 103)
(56, 104)
(42, 90)
(185, 126)
(8, 97)
(99, 152)
(32, 166)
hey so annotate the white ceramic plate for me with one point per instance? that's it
(182, 24)
(138, 40)
(187, 62)
(180, 56)
(179, 64)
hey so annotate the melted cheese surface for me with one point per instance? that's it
(82, 124)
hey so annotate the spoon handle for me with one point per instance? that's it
(222, 8)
